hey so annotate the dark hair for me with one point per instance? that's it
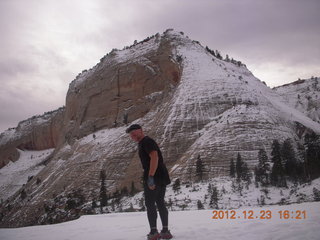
(133, 127)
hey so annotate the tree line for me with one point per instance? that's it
(285, 164)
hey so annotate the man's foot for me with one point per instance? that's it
(165, 234)
(153, 236)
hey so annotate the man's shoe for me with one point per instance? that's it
(153, 236)
(165, 235)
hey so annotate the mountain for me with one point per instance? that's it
(186, 97)
(303, 95)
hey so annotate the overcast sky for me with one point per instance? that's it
(44, 44)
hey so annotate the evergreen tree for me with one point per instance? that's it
(209, 189)
(245, 175)
(242, 170)
(170, 204)
(176, 185)
(93, 204)
(313, 155)
(218, 55)
(214, 198)
(289, 160)
(302, 167)
(199, 168)
(257, 176)
(239, 166)
(316, 194)
(277, 173)
(263, 169)
(232, 169)
(199, 205)
(227, 59)
(103, 192)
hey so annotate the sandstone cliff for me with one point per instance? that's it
(36, 133)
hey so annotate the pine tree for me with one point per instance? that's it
(218, 55)
(316, 194)
(239, 166)
(214, 198)
(93, 204)
(313, 155)
(232, 169)
(263, 169)
(199, 168)
(176, 185)
(289, 159)
(245, 176)
(227, 59)
(199, 205)
(103, 192)
(170, 204)
(209, 189)
(277, 173)
(242, 170)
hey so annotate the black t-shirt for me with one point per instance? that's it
(146, 146)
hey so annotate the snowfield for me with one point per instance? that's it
(15, 174)
(184, 225)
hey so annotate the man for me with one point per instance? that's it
(155, 179)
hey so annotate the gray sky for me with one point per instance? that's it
(44, 44)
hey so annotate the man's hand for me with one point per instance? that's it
(150, 183)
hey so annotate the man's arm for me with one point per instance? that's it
(153, 162)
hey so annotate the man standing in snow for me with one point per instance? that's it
(155, 179)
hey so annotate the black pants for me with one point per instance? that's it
(153, 197)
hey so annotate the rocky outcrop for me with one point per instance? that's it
(36, 133)
(123, 87)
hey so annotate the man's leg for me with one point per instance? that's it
(150, 200)
(163, 211)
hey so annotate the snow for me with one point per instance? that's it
(197, 224)
(229, 196)
(206, 80)
(304, 96)
(15, 174)
(290, 113)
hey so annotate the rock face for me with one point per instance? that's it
(36, 133)
(118, 90)
(191, 102)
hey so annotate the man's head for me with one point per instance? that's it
(135, 132)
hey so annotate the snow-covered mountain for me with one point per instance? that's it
(304, 95)
(193, 103)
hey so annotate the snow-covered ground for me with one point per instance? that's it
(231, 195)
(196, 224)
(15, 174)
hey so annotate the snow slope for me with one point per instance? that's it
(186, 225)
(304, 95)
(15, 174)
